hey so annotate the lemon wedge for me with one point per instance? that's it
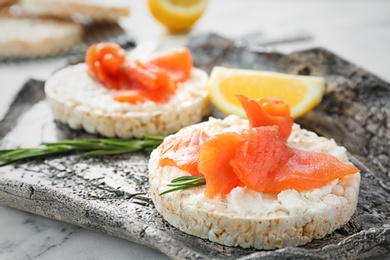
(177, 15)
(301, 93)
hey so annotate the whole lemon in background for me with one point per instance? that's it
(177, 15)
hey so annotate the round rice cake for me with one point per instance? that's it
(28, 37)
(251, 219)
(81, 102)
(94, 10)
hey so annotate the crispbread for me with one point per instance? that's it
(36, 37)
(94, 10)
(81, 102)
(263, 221)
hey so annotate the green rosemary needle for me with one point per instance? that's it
(90, 147)
(184, 182)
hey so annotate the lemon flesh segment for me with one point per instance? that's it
(301, 93)
(177, 15)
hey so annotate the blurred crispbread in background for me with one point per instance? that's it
(40, 28)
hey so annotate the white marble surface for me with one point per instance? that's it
(356, 30)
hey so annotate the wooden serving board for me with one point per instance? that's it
(110, 194)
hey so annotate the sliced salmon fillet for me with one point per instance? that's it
(157, 77)
(178, 63)
(264, 163)
(310, 170)
(139, 81)
(183, 152)
(150, 76)
(261, 153)
(214, 163)
(257, 158)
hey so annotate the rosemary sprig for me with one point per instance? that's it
(184, 182)
(90, 147)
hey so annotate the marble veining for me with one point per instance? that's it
(45, 236)
(28, 236)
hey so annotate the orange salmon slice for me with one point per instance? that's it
(214, 163)
(183, 152)
(264, 163)
(178, 63)
(267, 112)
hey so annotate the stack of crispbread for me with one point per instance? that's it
(33, 28)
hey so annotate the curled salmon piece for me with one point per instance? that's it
(267, 112)
(105, 61)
